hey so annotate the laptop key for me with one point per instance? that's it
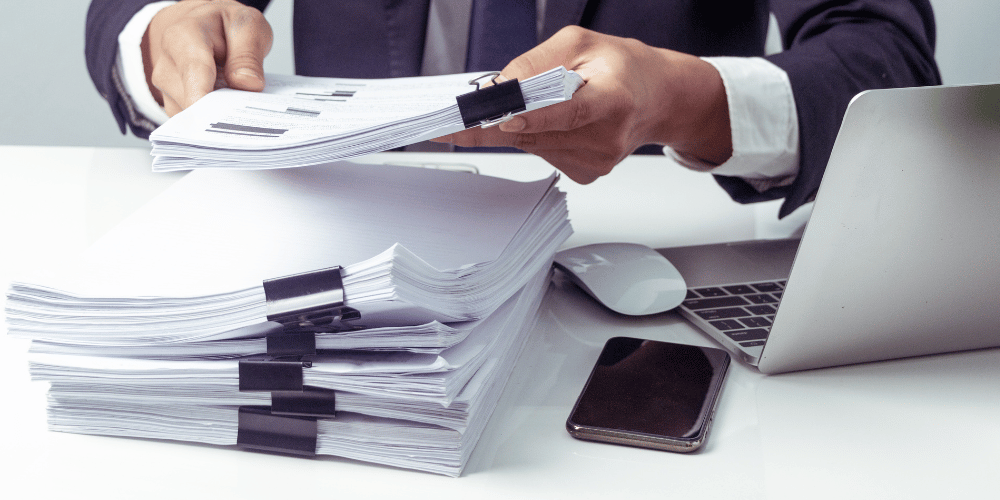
(691, 295)
(711, 292)
(723, 313)
(745, 335)
(714, 302)
(752, 343)
(739, 289)
(755, 322)
(727, 324)
(766, 287)
(761, 299)
(762, 310)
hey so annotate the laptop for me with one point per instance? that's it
(900, 256)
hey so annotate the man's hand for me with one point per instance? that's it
(196, 46)
(633, 94)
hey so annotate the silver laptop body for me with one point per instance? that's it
(901, 255)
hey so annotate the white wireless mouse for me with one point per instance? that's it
(628, 278)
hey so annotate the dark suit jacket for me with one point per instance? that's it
(833, 50)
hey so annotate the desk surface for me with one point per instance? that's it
(916, 428)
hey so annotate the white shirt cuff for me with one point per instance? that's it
(130, 65)
(764, 124)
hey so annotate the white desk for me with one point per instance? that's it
(918, 428)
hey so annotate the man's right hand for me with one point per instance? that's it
(196, 46)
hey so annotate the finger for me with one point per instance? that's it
(583, 156)
(559, 50)
(197, 80)
(597, 106)
(489, 137)
(166, 78)
(248, 41)
(586, 138)
(444, 139)
(170, 105)
(479, 137)
(569, 115)
(580, 164)
(186, 70)
(583, 167)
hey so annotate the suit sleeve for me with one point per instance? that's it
(105, 20)
(832, 51)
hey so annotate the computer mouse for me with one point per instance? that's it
(627, 278)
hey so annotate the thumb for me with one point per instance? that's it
(562, 49)
(248, 41)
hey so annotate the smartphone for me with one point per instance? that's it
(650, 394)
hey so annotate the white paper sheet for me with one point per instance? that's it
(299, 121)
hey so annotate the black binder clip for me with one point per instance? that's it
(289, 424)
(304, 304)
(261, 429)
(309, 302)
(295, 343)
(493, 105)
(285, 380)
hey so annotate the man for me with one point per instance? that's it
(763, 126)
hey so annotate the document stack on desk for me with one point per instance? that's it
(299, 121)
(197, 318)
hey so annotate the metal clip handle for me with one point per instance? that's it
(313, 301)
(475, 81)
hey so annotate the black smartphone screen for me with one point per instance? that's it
(658, 394)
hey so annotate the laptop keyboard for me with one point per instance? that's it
(743, 312)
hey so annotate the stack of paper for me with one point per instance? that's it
(299, 121)
(149, 399)
(417, 246)
(138, 336)
(425, 377)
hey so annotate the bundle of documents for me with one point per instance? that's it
(150, 399)
(158, 329)
(425, 377)
(417, 246)
(299, 121)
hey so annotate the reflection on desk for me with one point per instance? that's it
(917, 428)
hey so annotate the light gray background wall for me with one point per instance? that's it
(46, 97)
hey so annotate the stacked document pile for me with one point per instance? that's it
(161, 329)
(299, 121)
